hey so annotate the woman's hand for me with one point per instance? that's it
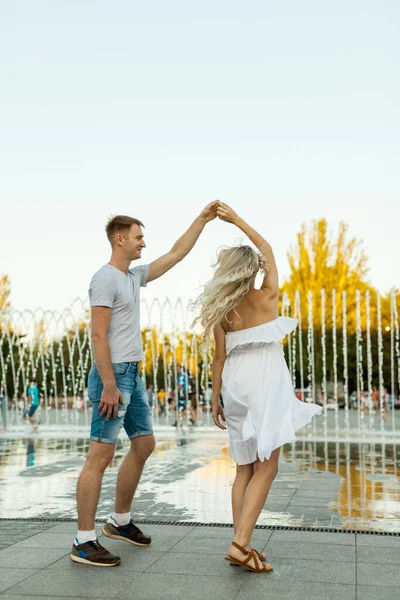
(210, 211)
(218, 411)
(226, 213)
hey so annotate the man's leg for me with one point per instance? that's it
(86, 548)
(89, 483)
(130, 471)
(138, 426)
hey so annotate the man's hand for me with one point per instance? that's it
(210, 211)
(110, 400)
(218, 411)
(226, 213)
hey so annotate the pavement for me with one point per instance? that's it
(186, 562)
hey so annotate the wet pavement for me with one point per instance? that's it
(339, 485)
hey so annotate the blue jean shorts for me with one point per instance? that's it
(134, 414)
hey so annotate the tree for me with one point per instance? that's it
(5, 291)
(321, 262)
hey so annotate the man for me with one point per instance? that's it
(33, 399)
(115, 388)
(181, 392)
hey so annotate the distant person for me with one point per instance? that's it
(79, 401)
(4, 406)
(192, 393)
(171, 401)
(208, 397)
(161, 395)
(115, 386)
(260, 408)
(34, 402)
(182, 390)
(150, 394)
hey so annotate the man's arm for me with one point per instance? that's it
(183, 246)
(111, 396)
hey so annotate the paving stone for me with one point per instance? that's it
(261, 535)
(194, 564)
(10, 577)
(314, 537)
(378, 541)
(310, 551)
(177, 587)
(203, 545)
(95, 582)
(8, 596)
(21, 558)
(315, 570)
(365, 592)
(384, 575)
(271, 588)
(369, 554)
(47, 540)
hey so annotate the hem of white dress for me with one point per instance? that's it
(245, 452)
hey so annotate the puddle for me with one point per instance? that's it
(320, 484)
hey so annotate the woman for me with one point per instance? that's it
(260, 409)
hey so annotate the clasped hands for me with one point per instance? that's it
(221, 210)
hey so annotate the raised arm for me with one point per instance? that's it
(183, 246)
(271, 280)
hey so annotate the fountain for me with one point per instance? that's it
(343, 355)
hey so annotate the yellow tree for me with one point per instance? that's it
(321, 261)
(4, 292)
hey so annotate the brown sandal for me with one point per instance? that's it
(260, 557)
(244, 563)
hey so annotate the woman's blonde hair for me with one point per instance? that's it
(235, 272)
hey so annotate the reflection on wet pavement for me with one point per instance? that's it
(320, 484)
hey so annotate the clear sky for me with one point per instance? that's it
(287, 110)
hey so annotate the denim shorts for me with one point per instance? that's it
(31, 410)
(134, 414)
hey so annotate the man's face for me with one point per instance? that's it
(134, 243)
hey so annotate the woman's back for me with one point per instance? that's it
(255, 308)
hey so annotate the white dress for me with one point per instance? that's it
(261, 409)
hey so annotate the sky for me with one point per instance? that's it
(288, 111)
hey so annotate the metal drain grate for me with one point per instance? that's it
(222, 525)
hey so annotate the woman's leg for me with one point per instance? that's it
(244, 473)
(254, 500)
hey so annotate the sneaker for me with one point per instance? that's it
(92, 553)
(129, 533)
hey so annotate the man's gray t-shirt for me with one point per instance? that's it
(121, 292)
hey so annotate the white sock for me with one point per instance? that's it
(120, 518)
(85, 536)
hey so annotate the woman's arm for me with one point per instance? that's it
(217, 368)
(271, 280)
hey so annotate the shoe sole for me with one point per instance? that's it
(84, 561)
(124, 539)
